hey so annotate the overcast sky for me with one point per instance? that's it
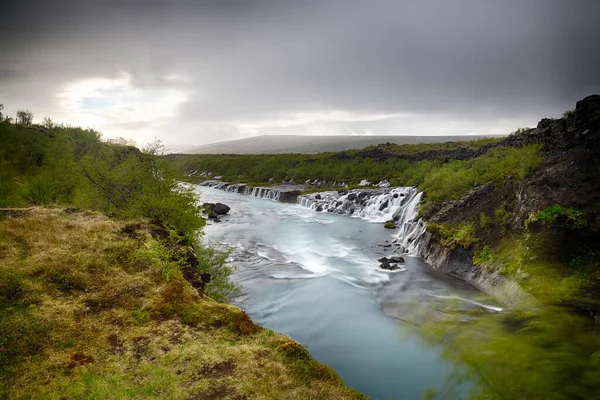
(195, 72)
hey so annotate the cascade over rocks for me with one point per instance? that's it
(396, 204)
(283, 194)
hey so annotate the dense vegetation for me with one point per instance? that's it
(71, 167)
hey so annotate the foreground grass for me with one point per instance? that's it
(92, 307)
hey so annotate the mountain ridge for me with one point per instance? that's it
(280, 144)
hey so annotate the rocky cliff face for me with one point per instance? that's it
(569, 176)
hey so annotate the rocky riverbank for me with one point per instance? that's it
(550, 218)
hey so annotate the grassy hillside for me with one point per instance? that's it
(95, 307)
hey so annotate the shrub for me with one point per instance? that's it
(214, 261)
(485, 221)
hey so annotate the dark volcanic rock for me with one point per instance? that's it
(216, 209)
(384, 205)
(289, 196)
(221, 208)
(389, 266)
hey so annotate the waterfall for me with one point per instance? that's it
(381, 204)
(399, 204)
(261, 192)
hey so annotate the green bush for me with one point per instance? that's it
(485, 221)
(214, 261)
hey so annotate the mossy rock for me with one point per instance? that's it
(390, 225)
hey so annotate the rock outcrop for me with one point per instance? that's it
(569, 175)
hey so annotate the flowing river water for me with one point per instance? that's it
(315, 276)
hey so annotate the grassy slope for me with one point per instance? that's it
(87, 311)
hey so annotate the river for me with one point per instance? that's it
(315, 276)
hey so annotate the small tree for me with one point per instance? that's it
(1, 108)
(48, 123)
(24, 117)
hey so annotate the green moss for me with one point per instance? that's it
(390, 225)
(482, 256)
(462, 235)
(551, 214)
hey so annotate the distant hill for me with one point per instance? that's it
(277, 144)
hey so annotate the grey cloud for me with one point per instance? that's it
(253, 60)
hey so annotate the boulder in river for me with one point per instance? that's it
(216, 209)
(389, 266)
(221, 208)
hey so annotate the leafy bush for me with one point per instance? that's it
(142, 184)
(214, 261)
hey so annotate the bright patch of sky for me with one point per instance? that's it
(116, 107)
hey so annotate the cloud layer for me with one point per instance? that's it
(203, 71)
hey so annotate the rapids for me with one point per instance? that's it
(315, 276)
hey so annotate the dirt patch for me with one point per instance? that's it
(218, 370)
(116, 345)
(260, 357)
(78, 359)
(130, 230)
(140, 344)
(218, 324)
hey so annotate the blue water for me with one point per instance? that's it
(315, 277)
